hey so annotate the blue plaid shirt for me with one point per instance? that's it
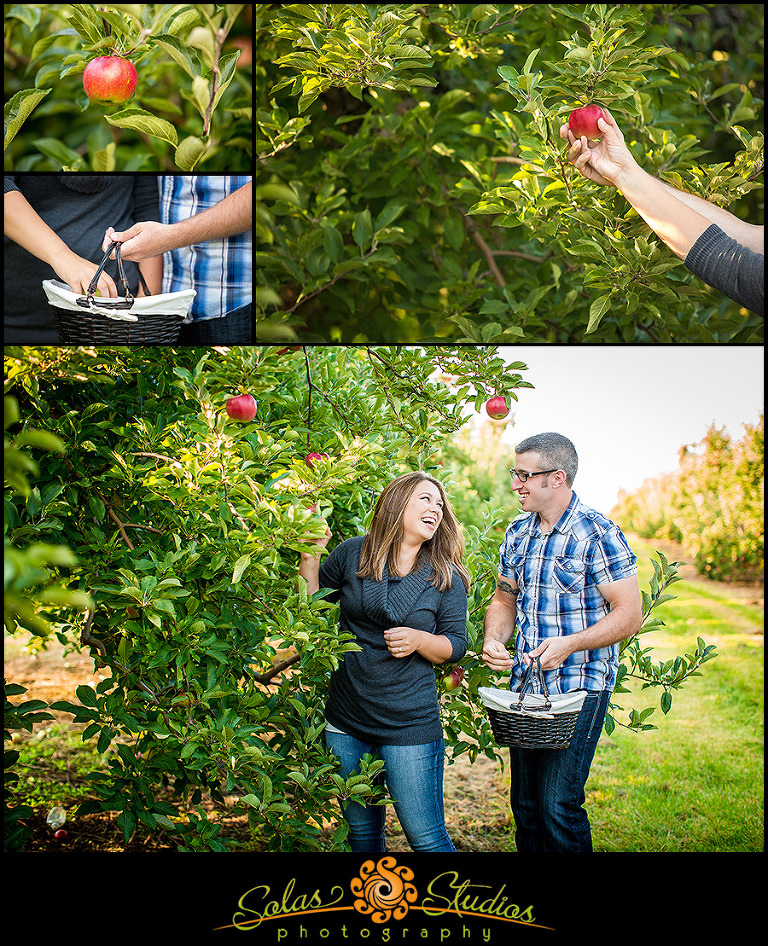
(219, 270)
(558, 576)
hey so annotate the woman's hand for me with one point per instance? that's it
(402, 641)
(309, 562)
(603, 162)
(77, 273)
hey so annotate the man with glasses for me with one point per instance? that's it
(567, 593)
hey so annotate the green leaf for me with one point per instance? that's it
(596, 311)
(86, 695)
(139, 120)
(189, 153)
(182, 53)
(18, 109)
(362, 228)
(240, 566)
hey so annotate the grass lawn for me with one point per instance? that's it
(695, 783)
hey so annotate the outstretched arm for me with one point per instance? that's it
(232, 215)
(610, 162)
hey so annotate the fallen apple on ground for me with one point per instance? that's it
(109, 79)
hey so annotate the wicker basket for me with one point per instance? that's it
(94, 328)
(530, 721)
(149, 320)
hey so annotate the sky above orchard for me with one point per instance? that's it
(629, 409)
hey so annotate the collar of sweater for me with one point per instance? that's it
(391, 600)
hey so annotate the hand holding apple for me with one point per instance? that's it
(604, 162)
(583, 121)
(109, 79)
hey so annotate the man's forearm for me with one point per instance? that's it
(500, 621)
(230, 216)
(620, 623)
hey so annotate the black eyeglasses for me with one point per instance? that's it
(523, 477)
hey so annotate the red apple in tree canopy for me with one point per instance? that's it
(242, 407)
(583, 121)
(454, 679)
(497, 407)
(312, 458)
(109, 79)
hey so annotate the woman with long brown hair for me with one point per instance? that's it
(402, 591)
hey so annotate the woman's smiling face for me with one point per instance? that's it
(423, 512)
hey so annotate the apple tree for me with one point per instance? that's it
(414, 186)
(192, 105)
(185, 528)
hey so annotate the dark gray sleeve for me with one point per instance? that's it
(9, 184)
(452, 618)
(729, 267)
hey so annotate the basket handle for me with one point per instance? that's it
(127, 303)
(534, 667)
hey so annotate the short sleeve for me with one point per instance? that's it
(613, 559)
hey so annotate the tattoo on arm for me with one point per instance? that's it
(505, 586)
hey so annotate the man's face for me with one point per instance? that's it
(534, 493)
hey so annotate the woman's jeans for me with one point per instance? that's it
(414, 777)
(547, 786)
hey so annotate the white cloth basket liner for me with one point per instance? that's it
(505, 701)
(166, 303)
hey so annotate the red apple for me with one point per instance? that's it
(497, 407)
(242, 407)
(61, 835)
(454, 679)
(583, 121)
(109, 79)
(312, 458)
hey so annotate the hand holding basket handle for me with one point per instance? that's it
(125, 303)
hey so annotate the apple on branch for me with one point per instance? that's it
(242, 407)
(496, 407)
(454, 679)
(109, 79)
(312, 459)
(583, 121)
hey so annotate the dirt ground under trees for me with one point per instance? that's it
(476, 805)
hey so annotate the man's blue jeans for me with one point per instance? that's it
(414, 777)
(547, 786)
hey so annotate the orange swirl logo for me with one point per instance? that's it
(383, 890)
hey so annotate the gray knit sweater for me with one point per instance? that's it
(729, 267)
(373, 695)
